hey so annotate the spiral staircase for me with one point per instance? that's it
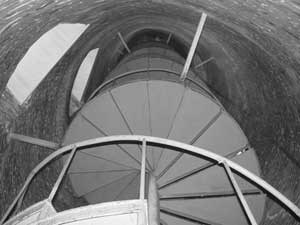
(149, 148)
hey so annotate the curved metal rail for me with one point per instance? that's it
(203, 87)
(228, 165)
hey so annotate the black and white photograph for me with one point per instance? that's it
(149, 112)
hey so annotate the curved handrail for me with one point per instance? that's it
(150, 70)
(167, 143)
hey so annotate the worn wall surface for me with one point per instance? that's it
(255, 74)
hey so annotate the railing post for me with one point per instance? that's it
(240, 195)
(62, 174)
(143, 220)
(143, 170)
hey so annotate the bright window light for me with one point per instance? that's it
(41, 57)
(83, 74)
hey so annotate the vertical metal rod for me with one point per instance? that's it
(143, 171)
(123, 42)
(193, 47)
(239, 194)
(62, 174)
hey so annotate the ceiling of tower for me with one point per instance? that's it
(254, 73)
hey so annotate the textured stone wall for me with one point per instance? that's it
(255, 74)
(9, 109)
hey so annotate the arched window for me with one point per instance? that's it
(81, 80)
(83, 74)
(41, 57)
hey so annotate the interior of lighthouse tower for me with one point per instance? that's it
(150, 112)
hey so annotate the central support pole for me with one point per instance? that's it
(153, 201)
(153, 196)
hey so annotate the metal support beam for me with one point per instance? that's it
(201, 168)
(101, 171)
(103, 185)
(193, 47)
(123, 42)
(207, 126)
(143, 170)
(105, 134)
(204, 62)
(240, 195)
(126, 123)
(202, 195)
(199, 134)
(171, 127)
(33, 141)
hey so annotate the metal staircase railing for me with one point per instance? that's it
(216, 159)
